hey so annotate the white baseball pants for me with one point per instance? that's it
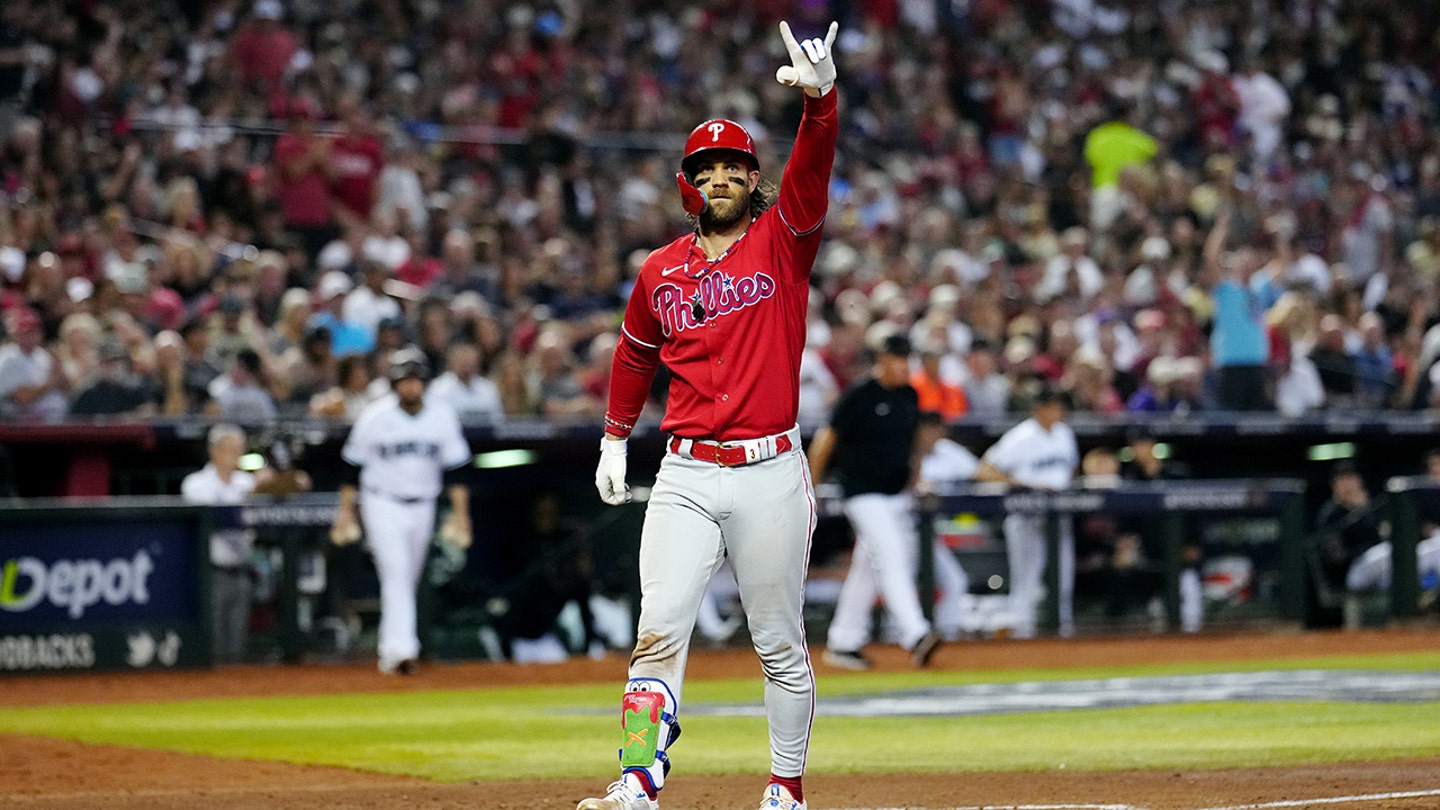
(759, 516)
(398, 535)
(1025, 548)
(884, 563)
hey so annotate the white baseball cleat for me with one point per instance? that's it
(624, 793)
(778, 797)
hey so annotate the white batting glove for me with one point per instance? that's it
(610, 475)
(812, 64)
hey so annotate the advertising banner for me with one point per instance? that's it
(98, 588)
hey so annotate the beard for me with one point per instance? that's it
(732, 212)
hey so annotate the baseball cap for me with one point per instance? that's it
(332, 284)
(896, 345)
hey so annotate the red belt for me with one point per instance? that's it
(734, 454)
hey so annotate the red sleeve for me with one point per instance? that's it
(805, 186)
(637, 355)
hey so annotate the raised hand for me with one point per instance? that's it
(812, 65)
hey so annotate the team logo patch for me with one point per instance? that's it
(718, 294)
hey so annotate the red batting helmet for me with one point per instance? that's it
(717, 133)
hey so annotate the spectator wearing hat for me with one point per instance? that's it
(1071, 273)
(369, 304)
(33, 387)
(346, 337)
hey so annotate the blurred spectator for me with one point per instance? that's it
(304, 171)
(369, 304)
(349, 395)
(239, 395)
(987, 391)
(1111, 148)
(33, 387)
(115, 390)
(1238, 341)
(1334, 365)
(936, 394)
(346, 336)
(474, 397)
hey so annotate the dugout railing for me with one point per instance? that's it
(1173, 503)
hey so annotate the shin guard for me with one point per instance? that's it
(649, 725)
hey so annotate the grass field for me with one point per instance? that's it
(482, 734)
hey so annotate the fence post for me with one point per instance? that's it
(1404, 536)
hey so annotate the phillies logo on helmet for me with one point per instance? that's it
(718, 133)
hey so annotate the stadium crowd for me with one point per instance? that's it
(238, 207)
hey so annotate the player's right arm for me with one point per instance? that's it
(637, 356)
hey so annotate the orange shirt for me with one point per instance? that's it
(936, 395)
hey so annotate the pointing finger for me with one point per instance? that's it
(830, 35)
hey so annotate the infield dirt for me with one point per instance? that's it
(45, 773)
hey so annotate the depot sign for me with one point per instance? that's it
(74, 586)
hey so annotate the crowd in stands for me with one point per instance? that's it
(239, 207)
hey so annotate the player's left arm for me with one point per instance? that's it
(805, 186)
(455, 454)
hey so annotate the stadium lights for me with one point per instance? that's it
(250, 462)
(500, 459)
(1331, 452)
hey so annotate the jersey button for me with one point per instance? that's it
(724, 397)
(719, 361)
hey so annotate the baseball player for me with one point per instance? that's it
(400, 452)
(871, 437)
(724, 309)
(1038, 453)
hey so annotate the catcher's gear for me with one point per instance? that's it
(717, 133)
(693, 199)
(812, 62)
(408, 362)
(649, 726)
(610, 474)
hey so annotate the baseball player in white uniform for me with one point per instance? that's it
(1038, 453)
(401, 451)
(724, 309)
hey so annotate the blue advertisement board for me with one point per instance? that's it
(92, 587)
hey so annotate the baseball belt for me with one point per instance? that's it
(736, 453)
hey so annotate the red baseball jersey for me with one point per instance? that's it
(731, 331)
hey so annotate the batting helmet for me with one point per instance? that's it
(408, 362)
(717, 133)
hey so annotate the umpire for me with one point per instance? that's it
(871, 437)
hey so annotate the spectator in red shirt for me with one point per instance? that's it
(304, 170)
(357, 158)
(262, 48)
